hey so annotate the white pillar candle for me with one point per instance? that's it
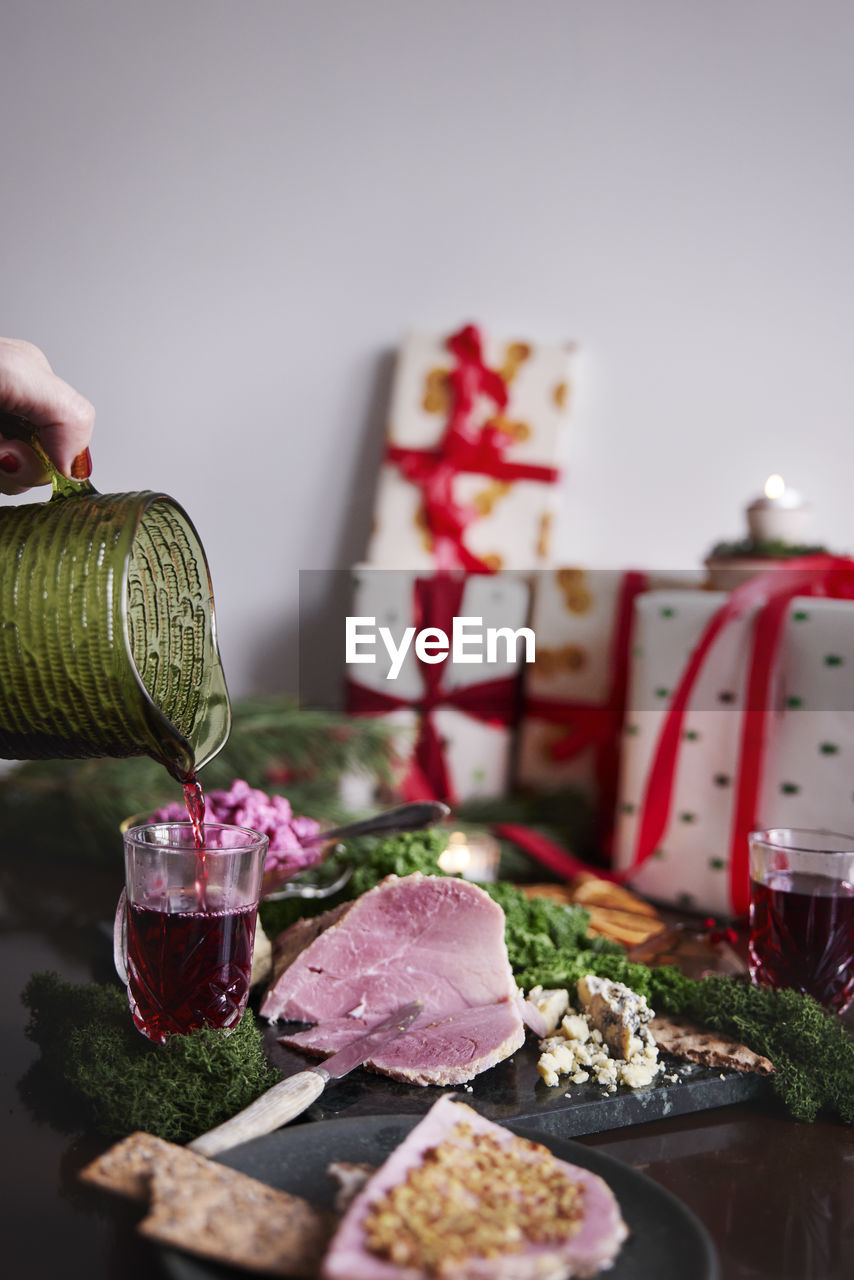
(779, 515)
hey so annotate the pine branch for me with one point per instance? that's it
(75, 807)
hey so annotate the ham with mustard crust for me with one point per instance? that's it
(465, 1198)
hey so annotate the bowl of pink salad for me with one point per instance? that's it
(246, 806)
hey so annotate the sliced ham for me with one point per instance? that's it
(436, 939)
(579, 1246)
(448, 1050)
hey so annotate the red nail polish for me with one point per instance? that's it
(81, 467)
(9, 463)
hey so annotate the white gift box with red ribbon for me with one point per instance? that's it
(734, 723)
(473, 451)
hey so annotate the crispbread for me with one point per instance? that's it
(615, 912)
(222, 1214)
(592, 890)
(685, 1039)
(209, 1209)
(127, 1167)
(623, 926)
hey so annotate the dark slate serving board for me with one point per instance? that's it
(514, 1091)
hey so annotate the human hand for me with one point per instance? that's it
(31, 390)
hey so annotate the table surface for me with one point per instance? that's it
(776, 1196)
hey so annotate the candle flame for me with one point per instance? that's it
(774, 487)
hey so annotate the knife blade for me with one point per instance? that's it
(290, 1097)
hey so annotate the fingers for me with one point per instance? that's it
(30, 389)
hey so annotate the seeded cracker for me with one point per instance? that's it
(208, 1209)
(225, 1215)
(685, 1039)
(127, 1167)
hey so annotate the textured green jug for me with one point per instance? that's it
(107, 628)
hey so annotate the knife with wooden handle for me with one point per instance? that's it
(290, 1097)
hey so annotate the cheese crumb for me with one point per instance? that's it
(551, 1004)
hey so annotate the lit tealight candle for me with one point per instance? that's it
(474, 855)
(780, 515)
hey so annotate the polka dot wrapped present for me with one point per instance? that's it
(740, 715)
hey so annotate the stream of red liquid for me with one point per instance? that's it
(194, 798)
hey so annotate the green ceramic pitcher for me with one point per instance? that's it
(107, 628)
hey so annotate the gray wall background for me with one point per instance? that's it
(219, 219)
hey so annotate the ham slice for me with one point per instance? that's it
(541, 1241)
(436, 939)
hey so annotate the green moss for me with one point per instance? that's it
(120, 1082)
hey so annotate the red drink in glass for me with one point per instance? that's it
(185, 925)
(188, 969)
(802, 936)
(802, 913)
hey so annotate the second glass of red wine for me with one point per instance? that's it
(802, 913)
(185, 925)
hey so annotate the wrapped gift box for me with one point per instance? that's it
(472, 458)
(574, 695)
(456, 718)
(700, 859)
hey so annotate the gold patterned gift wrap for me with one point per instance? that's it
(475, 436)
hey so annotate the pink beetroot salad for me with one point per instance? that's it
(243, 806)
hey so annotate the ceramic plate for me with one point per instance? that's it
(667, 1241)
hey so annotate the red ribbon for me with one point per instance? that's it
(823, 576)
(464, 447)
(599, 725)
(437, 602)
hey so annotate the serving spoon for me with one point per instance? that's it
(406, 817)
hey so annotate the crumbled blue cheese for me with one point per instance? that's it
(618, 1012)
(609, 1042)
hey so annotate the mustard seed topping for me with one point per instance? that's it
(474, 1195)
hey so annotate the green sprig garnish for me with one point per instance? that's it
(766, 549)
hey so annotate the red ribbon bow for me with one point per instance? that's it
(464, 448)
(437, 602)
